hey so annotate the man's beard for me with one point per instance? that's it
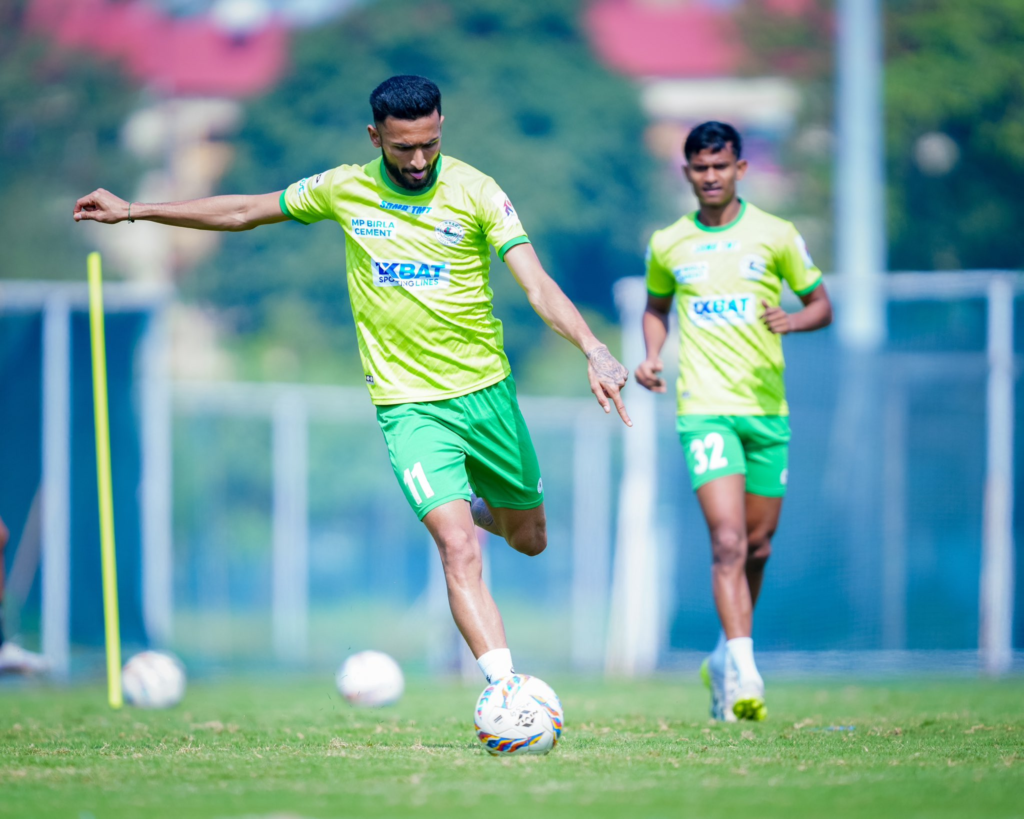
(401, 179)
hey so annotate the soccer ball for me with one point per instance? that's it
(152, 679)
(519, 715)
(370, 678)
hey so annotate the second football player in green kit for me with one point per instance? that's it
(419, 228)
(725, 266)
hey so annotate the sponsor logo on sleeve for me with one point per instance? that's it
(801, 245)
(753, 267)
(504, 205)
(374, 228)
(303, 184)
(413, 275)
(450, 233)
(318, 180)
(729, 310)
(715, 247)
(690, 273)
(412, 210)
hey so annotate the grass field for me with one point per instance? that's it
(936, 748)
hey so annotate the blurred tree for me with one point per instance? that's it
(954, 122)
(524, 101)
(59, 120)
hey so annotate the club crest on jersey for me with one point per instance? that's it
(690, 273)
(411, 274)
(450, 233)
(753, 267)
(730, 310)
(504, 205)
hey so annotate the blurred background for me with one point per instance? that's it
(258, 522)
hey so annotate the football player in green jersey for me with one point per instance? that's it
(419, 227)
(725, 265)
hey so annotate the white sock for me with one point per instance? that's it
(495, 664)
(717, 660)
(741, 649)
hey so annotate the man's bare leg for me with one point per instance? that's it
(762, 521)
(723, 503)
(525, 530)
(737, 690)
(473, 608)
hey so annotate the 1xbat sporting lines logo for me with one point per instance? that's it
(411, 274)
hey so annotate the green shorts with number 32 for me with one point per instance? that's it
(753, 445)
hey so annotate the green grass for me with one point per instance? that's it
(950, 748)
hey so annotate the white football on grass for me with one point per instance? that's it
(370, 678)
(519, 715)
(153, 679)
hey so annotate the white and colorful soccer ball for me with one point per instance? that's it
(370, 678)
(519, 714)
(153, 679)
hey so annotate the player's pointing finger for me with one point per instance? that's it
(620, 406)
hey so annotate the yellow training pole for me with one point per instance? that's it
(99, 393)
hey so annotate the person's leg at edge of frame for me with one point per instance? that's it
(14, 658)
(4, 535)
(473, 609)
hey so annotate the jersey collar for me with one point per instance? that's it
(720, 228)
(396, 190)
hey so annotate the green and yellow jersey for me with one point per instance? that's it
(730, 363)
(418, 267)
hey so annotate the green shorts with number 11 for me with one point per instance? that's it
(753, 445)
(440, 450)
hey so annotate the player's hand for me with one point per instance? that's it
(776, 319)
(607, 377)
(648, 375)
(101, 206)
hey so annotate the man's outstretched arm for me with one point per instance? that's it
(212, 213)
(607, 376)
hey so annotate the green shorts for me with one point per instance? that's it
(753, 445)
(440, 450)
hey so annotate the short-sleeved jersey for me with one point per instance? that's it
(418, 268)
(730, 363)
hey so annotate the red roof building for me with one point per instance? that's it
(179, 57)
(673, 38)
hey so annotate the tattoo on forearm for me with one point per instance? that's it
(606, 368)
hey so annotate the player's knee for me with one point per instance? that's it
(728, 547)
(531, 538)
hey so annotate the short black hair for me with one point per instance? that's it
(713, 135)
(405, 97)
